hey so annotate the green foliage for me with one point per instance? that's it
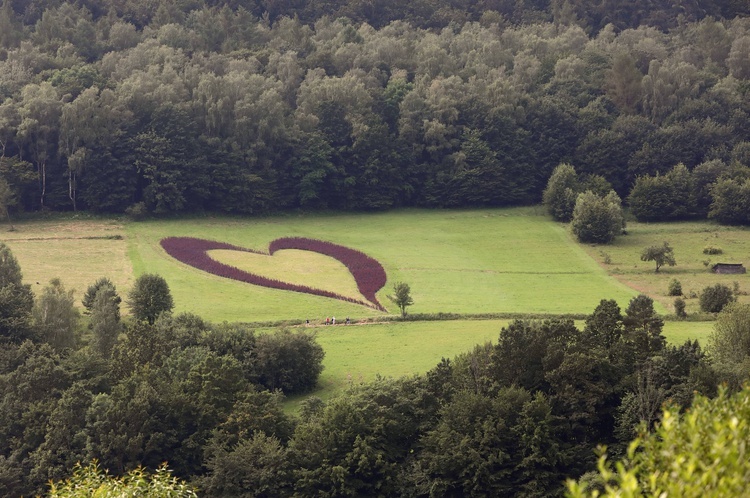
(697, 453)
(666, 197)
(729, 343)
(105, 320)
(288, 361)
(256, 466)
(731, 201)
(93, 289)
(713, 250)
(715, 297)
(561, 192)
(55, 316)
(679, 308)
(16, 299)
(660, 255)
(401, 297)
(597, 219)
(674, 288)
(93, 481)
(149, 298)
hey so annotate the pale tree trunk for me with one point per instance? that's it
(72, 188)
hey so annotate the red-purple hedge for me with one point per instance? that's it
(367, 272)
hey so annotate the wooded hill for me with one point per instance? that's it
(248, 107)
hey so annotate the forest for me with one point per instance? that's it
(244, 107)
(248, 107)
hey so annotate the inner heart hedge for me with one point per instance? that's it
(367, 272)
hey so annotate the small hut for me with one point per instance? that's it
(728, 268)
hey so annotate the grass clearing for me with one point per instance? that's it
(692, 269)
(77, 251)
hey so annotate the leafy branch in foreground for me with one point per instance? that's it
(93, 481)
(699, 453)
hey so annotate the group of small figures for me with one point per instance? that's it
(332, 321)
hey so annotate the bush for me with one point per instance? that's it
(675, 288)
(712, 250)
(715, 297)
(137, 211)
(679, 308)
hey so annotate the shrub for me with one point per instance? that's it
(712, 250)
(715, 297)
(675, 287)
(137, 211)
(679, 308)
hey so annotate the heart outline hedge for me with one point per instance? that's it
(368, 273)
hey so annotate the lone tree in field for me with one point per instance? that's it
(401, 297)
(661, 255)
(149, 298)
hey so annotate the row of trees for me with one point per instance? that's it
(590, 15)
(514, 418)
(218, 109)
(713, 189)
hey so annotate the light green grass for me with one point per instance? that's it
(688, 240)
(473, 261)
(78, 251)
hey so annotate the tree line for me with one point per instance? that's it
(514, 418)
(217, 107)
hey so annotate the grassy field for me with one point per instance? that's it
(78, 251)
(474, 261)
(468, 262)
(692, 269)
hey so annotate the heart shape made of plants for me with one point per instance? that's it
(368, 273)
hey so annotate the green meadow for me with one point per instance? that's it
(689, 239)
(468, 262)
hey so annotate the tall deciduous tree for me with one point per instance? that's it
(561, 192)
(105, 320)
(16, 299)
(150, 297)
(55, 315)
(597, 219)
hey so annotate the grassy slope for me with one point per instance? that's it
(688, 240)
(470, 261)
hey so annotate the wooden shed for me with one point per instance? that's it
(728, 268)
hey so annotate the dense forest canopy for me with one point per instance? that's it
(246, 107)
